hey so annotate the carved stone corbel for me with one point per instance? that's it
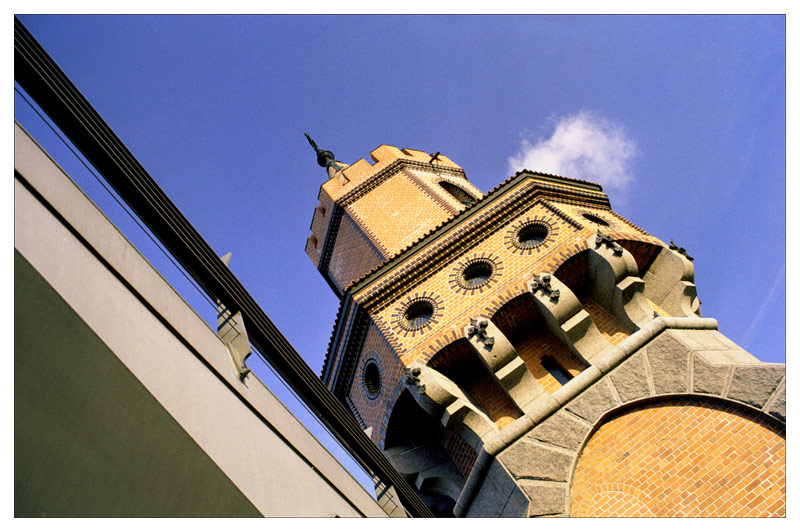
(669, 283)
(566, 318)
(443, 399)
(615, 283)
(502, 360)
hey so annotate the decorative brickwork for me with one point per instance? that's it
(683, 458)
(398, 212)
(550, 227)
(403, 326)
(456, 277)
(420, 261)
(372, 409)
(474, 231)
(429, 182)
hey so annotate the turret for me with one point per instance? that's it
(367, 213)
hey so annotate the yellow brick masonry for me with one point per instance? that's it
(683, 458)
(319, 227)
(391, 212)
(353, 256)
(456, 308)
(398, 212)
(518, 268)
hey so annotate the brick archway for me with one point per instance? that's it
(682, 456)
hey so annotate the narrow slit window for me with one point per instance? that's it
(552, 367)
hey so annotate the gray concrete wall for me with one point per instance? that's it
(241, 452)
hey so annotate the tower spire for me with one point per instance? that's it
(325, 158)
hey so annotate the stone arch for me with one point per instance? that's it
(679, 362)
(666, 368)
(658, 473)
(413, 446)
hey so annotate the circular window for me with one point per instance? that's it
(595, 219)
(477, 273)
(418, 314)
(532, 235)
(372, 379)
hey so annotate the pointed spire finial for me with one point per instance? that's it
(325, 158)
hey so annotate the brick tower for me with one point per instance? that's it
(530, 352)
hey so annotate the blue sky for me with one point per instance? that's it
(682, 118)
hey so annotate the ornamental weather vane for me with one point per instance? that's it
(325, 158)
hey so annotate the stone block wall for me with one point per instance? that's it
(687, 425)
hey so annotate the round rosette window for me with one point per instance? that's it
(475, 273)
(417, 314)
(532, 235)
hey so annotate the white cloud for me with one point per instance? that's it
(584, 146)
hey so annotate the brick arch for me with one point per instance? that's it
(625, 499)
(572, 271)
(518, 312)
(523, 325)
(498, 300)
(575, 248)
(723, 459)
(440, 341)
(643, 249)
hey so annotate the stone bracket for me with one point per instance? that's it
(568, 321)
(669, 283)
(443, 399)
(615, 282)
(502, 360)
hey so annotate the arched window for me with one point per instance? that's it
(458, 193)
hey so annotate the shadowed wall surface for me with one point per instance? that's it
(68, 435)
(683, 458)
